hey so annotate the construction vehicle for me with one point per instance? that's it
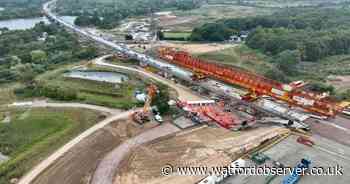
(198, 76)
(306, 141)
(256, 84)
(297, 172)
(202, 111)
(235, 169)
(259, 158)
(143, 116)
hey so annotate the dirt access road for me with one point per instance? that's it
(37, 170)
(184, 94)
(78, 165)
(107, 168)
(202, 146)
(43, 103)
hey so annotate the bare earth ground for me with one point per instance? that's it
(78, 165)
(104, 173)
(178, 21)
(341, 82)
(198, 48)
(205, 146)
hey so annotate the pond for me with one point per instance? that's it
(2, 9)
(111, 77)
(21, 24)
(3, 158)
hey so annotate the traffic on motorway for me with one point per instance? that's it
(178, 72)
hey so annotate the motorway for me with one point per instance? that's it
(184, 94)
(183, 74)
(176, 71)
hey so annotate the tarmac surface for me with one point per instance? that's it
(325, 154)
(337, 129)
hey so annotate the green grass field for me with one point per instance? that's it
(6, 93)
(240, 56)
(35, 133)
(98, 93)
(177, 35)
(189, 19)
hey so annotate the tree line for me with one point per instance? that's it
(314, 32)
(108, 14)
(312, 45)
(20, 8)
(23, 55)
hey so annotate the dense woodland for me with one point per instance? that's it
(23, 55)
(314, 32)
(20, 8)
(289, 38)
(108, 13)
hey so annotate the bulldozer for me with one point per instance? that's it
(143, 116)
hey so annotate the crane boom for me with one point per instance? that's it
(143, 116)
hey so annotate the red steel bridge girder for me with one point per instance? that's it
(255, 83)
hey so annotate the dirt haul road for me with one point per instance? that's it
(184, 94)
(207, 146)
(43, 103)
(37, 170)
(107, 168)
(78, 165)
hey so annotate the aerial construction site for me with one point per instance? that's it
(165, 112)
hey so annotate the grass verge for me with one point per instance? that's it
(33, 134)
(240, 56)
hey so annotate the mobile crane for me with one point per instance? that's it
(143, 116)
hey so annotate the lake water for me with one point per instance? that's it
(21, 24)
(111, 77)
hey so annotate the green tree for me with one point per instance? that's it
(277, 75)
(287, 60)
(321, 87)
(162, 99)
(38, 56)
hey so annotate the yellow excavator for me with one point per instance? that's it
(143, 116)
